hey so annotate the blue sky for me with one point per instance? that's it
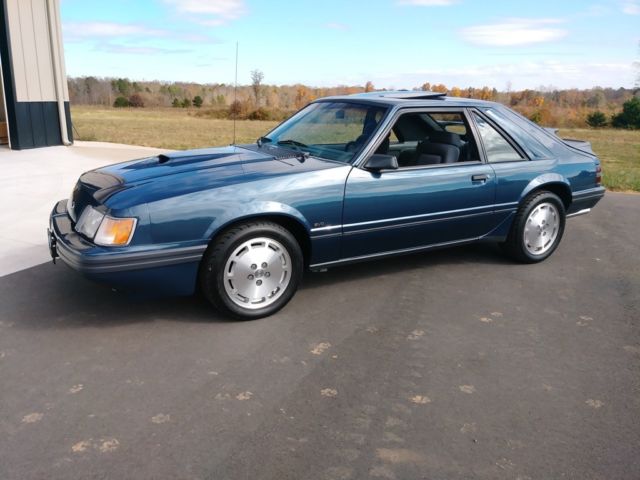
(393, 43)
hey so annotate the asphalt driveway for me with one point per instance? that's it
(455, 364)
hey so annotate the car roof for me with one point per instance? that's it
(406, 98)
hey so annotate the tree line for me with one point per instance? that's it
(594, 107)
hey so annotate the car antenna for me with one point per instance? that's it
(235, 98)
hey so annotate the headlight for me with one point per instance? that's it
(89, 222)
(105, 230)
(115, 231)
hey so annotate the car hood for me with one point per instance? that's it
(181, 172)
(174, 163)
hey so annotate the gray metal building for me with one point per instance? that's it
(34, 94)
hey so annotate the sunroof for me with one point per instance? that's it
(405, 94)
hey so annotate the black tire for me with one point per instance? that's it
(515, 246)
(211, 276)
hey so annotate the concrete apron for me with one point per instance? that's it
(31, 181)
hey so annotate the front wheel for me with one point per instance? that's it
(537, 228)
(252, 270)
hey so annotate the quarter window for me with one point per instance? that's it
(497, 148)
(531, 146)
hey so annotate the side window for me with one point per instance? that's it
(431, 138)
(450, 122)
(497, 148)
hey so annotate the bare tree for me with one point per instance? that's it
(256, 84)
(637, 65)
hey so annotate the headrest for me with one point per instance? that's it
(447, 138)
(369, 127)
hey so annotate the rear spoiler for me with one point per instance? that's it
(581, 145)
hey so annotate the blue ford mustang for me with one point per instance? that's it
(345, 179)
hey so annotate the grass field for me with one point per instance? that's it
(171, 128)
(177, 129)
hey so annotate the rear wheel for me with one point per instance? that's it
(537, 228)
(252, 270)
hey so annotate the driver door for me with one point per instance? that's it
(420, 205)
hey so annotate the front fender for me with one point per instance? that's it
(256, 209)
(545, 179)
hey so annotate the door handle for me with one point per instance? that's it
(481, 177)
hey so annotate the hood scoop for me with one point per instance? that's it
(187, 158)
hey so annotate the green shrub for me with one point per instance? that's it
(597, 119)
(630, 115)
(121, 102)
(197, 101)
(175, 103)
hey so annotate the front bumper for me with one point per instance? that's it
(123, 266)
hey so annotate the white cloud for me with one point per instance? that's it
(210, 12)
(522, 75)
(138, 50)
(75, 30)
(107, 31)
(631, 7)
(336, 26)
(595, 11)
(427, 3)
(515, 31)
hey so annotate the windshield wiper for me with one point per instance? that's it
(263, 140)
(294, 143)
(303, 155)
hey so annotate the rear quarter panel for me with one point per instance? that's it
(564, 165)
(517, 179)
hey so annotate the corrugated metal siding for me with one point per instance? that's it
(3, 117)
(63, 65)
(31, 49)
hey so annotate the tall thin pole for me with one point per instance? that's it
(235, 98)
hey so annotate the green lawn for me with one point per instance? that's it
(177, 128)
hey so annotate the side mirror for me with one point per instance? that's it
(379, 162)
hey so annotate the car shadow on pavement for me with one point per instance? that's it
(54, 296)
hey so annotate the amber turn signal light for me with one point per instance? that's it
(115, 231)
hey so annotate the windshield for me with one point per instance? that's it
(332, 130)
